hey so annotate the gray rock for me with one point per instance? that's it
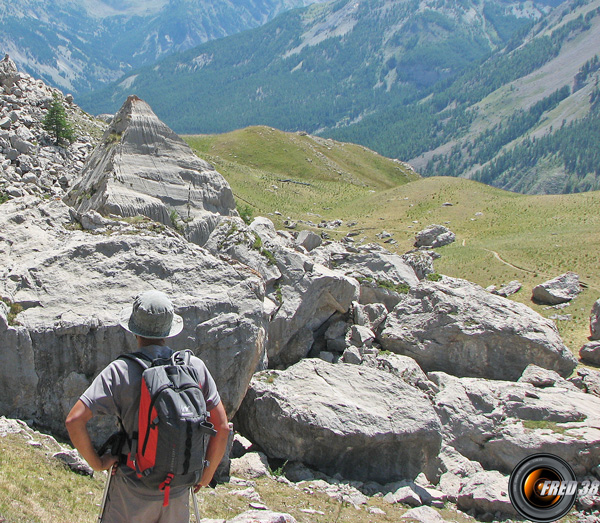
(423, 515)
(458, 327)
(297, 472)
(9, 73)
(21, 145)
(457, 469)
(561, 289)
(5, 123)
(143, 168)
(420, 261)
(405, 495)
(587, 380)
(328, 356)
(508, 289)
(93, 220)
(352, 355)
(434, 236)
(72, 286)
(542, 378)
(251, 465)
(336, 330)
(240, 446)
(383, 276)
(404, 368)
(499, 423)
(262, 516)
(361, 336)
(338, 421)
(370, 316)
(309, 240)
(590, 353)
(74, 461)
(486, 492)
(595, 321)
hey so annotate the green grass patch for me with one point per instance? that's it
(400, 288)
(36, 488)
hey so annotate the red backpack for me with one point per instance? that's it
(168, 448)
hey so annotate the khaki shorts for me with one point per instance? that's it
(128, 502)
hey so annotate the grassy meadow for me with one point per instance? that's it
(501, 236)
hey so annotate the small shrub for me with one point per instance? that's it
(246, 213)
(13, 311)
(113, 138)
(3, 197)
(175, 221)
(278, 293)
(434, 276)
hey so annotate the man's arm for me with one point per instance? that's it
(77, 427)
(216, 445)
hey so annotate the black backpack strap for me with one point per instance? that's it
(139, 357)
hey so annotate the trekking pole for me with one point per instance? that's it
(105, 495)
(195, 500)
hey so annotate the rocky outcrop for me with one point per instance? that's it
(302, 299)
(30, 163)
(143, 168)
(434, 236)
(561, 289)
(456, 326)
(359, 422)
(499, 423)
(71, 285)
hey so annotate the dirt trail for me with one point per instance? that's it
(497, 256)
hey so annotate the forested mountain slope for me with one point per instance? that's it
(79, 45)
(530, 115)
(327, 66)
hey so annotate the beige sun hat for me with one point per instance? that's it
(151, 316)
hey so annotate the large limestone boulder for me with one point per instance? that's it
(457, 327)
(356, 421)
(143, 168)
(434, 236)
(561, 289)
(383, 276)
(301, 300)
(499, 423)
(71, 285)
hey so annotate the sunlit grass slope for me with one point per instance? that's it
(296, 174)
(501, 236)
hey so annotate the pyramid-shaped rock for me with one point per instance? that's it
(143, 168)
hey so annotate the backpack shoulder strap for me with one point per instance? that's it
(139, 357)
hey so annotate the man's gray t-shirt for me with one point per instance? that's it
(116, 390)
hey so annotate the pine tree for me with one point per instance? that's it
(56, 124)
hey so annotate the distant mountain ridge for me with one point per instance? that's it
(79, 45)
(322, 67)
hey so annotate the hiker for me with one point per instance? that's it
(116, 391)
